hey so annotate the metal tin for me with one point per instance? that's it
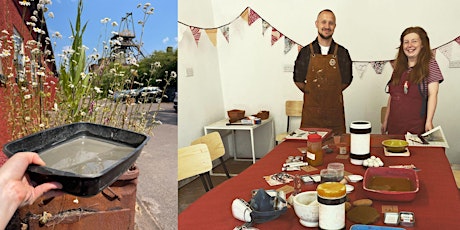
(391, 218)
(406, 219)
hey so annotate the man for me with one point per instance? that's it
(322, 71)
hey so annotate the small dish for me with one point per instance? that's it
(355, 178)
(349, 188)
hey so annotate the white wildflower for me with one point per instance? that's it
(98, 90)
(31, 24)
(83, 75)
(55, 107)
(5, 32)
(27, 96)
(157, 64)
(57, 35)
(114, 24)
(173, 74)
(5, 53)
(83, 113)
(146, 5)
(37, 30)
(51, 14)
(33, 18)
(71, 86)
(27, 118)
(24, 3)
(105, 20)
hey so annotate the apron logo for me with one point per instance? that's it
(332, 62)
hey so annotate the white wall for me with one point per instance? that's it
(248, 72)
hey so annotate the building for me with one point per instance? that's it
(26, 62)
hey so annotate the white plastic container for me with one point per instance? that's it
(360, 141)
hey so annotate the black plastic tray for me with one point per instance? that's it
(78, 184)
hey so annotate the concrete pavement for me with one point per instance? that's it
(157, 183)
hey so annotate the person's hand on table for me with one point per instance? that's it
(17, 190)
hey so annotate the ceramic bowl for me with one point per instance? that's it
(306, 208)
(395, 145)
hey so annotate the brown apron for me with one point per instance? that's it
(323, 100)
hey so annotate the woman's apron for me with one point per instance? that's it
(405, 108)
(323, 100)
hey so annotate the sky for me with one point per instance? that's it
(160, 30)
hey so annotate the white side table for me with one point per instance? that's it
(223, 125)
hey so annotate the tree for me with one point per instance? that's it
(168, 63)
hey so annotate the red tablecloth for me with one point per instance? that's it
(437, 204)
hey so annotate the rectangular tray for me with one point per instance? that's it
(74, 183)
(391, 173)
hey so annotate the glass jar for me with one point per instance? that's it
(331, 199)
(314, 150)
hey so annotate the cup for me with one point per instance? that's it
(329, 175)
(342, 147)
(339, 167)
(337, 139)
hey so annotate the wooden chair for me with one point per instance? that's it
(216, 148)
(383, 111)
(195, 160)
(293, 109)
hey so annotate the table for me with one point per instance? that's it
(223, 125)
(436, 205)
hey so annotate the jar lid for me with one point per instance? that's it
(314, 137)
(331, 190)
(360, 127)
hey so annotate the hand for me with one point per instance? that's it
(16, 189)
(383, 128)
(428, 126)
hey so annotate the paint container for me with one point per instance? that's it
(360, 141)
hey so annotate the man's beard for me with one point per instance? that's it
(325, 37)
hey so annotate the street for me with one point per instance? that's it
(157, 185)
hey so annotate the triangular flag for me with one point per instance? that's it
(433, 51)
(378, 66)
(196, 33)
(212, 35)
(276, 35)
(458, 40)
(299, 47)
(288, 43)
(225, 31)
(253, 16)
(360, 68)
(245, 14)
(446, 50)
(265, 26)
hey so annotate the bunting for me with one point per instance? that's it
(265, 26)
(196, 33)
(212, 35)
(253, 16)
(245, 15)
(288, 44)
(276, 35)
(378, 66)
(450, 50)
(225, 30)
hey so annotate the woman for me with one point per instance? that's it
(413, 86)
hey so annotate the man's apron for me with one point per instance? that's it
(323, 100)
(405, 108)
